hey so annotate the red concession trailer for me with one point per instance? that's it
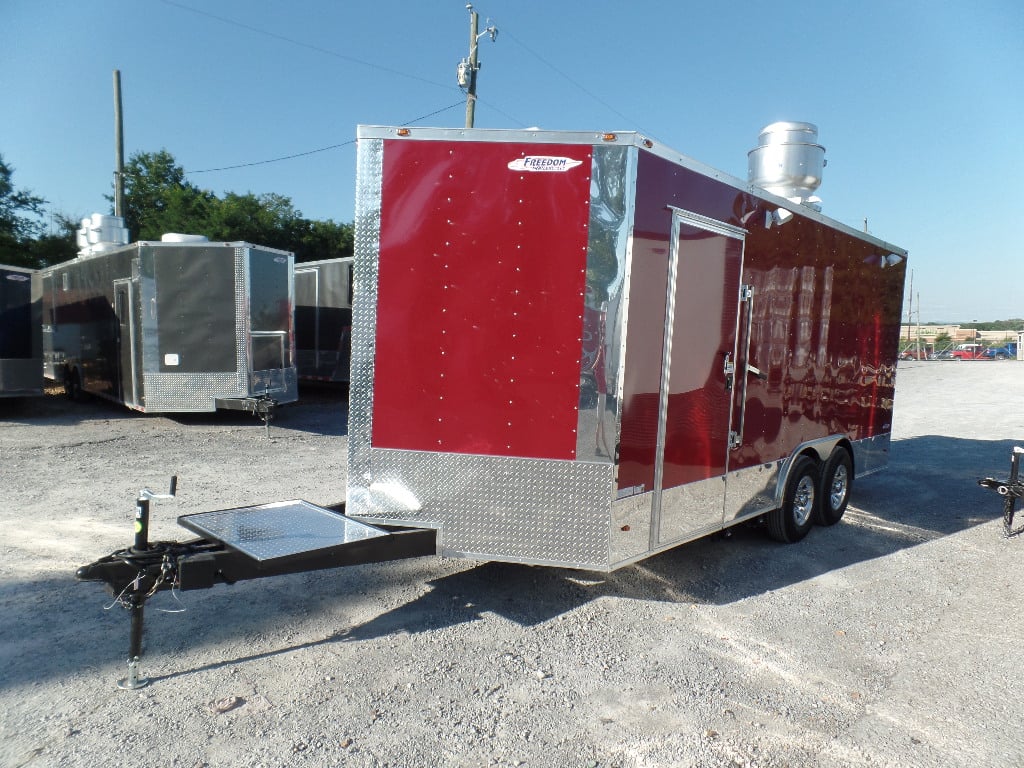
(580, 349)
(576, 349)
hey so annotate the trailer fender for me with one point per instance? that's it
(817, 451)
(829, 461)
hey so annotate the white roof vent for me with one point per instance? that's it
(177, 237)
(100, 233)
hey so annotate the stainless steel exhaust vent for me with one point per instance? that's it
(788, 161)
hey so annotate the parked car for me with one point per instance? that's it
(1007, 352)
(946, 354)
(969, 352)
(914, 354)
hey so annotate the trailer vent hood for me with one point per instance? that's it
(100, 233)
(788, 161)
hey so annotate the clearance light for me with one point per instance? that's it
(403, 131)
(608, 137)
(648, 143)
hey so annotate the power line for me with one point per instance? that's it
(315, 151)
(274, 159)
(301, 44)
(555, 69)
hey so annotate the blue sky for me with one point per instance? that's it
(920, 105)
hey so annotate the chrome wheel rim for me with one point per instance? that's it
(840, 485)
(803, 500)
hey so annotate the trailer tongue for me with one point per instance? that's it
(240, 544)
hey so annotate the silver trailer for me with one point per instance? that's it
(323, 319)
(21, 347)
(173, 326)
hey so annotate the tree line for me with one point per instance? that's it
(159, 199)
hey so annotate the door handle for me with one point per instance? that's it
(729, 371)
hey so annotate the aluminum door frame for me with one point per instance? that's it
(126, 319)
(704, 496)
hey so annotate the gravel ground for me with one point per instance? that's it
(888, 640)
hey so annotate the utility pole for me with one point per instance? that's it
(118, 148)
(910, 308)
(468, 67)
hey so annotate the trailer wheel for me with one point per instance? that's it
(836, 483)
(792, 521)
(73, 384)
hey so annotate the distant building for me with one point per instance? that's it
(957, 333)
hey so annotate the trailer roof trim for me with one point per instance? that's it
(598, 138)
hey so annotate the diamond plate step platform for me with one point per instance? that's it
(281, 531)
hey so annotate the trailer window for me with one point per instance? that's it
(269, 306)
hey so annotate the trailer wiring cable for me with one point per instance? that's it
(162, 554)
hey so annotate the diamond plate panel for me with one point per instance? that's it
(269, 532)
(525, 510)
(191, 391)
(241, 309)
(364, 304)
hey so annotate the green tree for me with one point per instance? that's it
(269, 220)
(20, 221)
(324, 240)
(158, 198)
(54, 247)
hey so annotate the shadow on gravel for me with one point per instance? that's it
(53, 409)
(928, 492)
(321, 417)
(324, 411)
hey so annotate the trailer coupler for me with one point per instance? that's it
(240, 544)
(260, 406)
(1011, 490)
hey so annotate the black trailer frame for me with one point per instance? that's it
(238, 545)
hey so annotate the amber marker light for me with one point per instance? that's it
(608, 137)
(403, 131)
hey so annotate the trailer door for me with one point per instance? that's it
(307, 321)
(125, 342)
(702, 309)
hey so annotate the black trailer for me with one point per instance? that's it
(323, 319)
(21, 346)
(173, 326)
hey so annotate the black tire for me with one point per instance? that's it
(73, 385)
(795, 518)
(836, 484)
